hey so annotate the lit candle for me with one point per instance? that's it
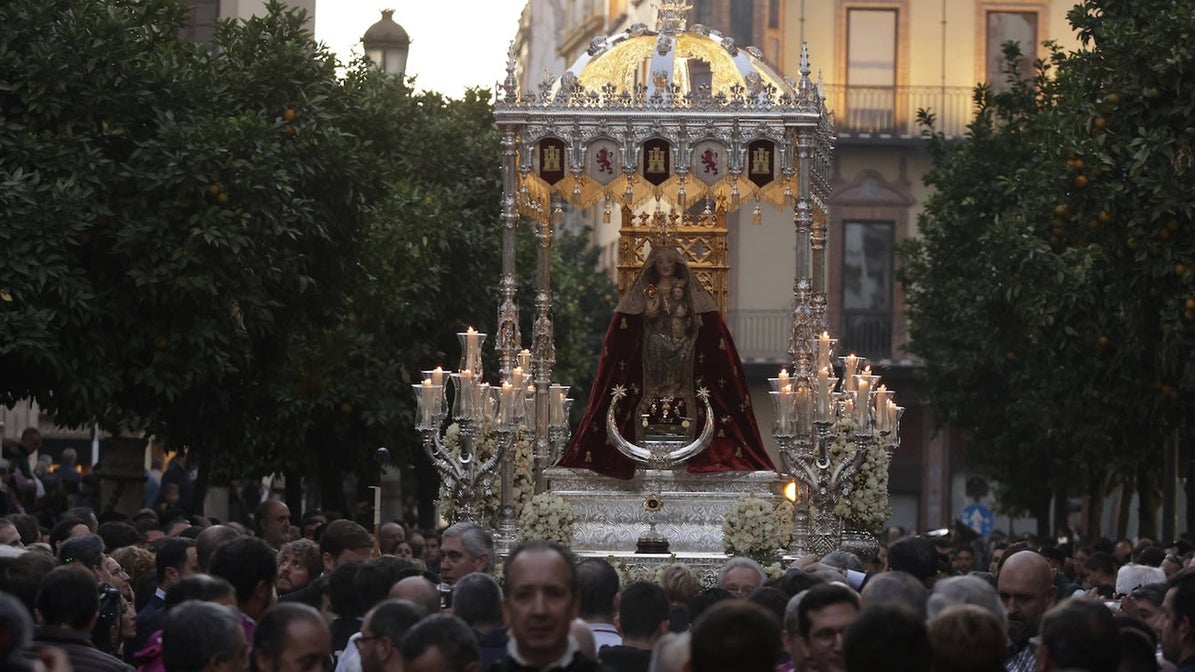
(783, 380)
(426, 402)
(823, 350)
(848, 407)
(862, 408)
(850, 366)
(470, 348)
(525, 359)
(516, 378)
(437, 376)
(786, 401)
(881, 408)
(505, 405)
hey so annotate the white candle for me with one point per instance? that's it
(516, 378)
(437, 376)
(803, 408)
(505, 405)
(786, 401)
(881, 408)
(862, 408)
(822, 395)
(850, 365)
(470, 348)
(783, 379)
(427, 399)
(525, 359)
(823, 350)
(848, 407)
(466, 393)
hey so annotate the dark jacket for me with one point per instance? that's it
(82, 653)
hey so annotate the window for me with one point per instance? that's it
(1019, 27)
(871, 70)
(867, 273)
(742, 22)
(773, 13)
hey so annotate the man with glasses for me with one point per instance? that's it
(381, 632)
(823, 616)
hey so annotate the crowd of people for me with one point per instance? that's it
(163, 591)
(324, 595)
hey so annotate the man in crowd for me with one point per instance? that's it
(344, 541)
(741, 576)
(541, 601)
(389, 536)
(273, 522)
(440, 643)
(250, 565)
(597, 585)
(69, 608)
(1178, 629)
(466, 548)
(291, 638)
(735, 635)
(963, 560)
(479, 604)
(176, 559)
(642, 621)
(1079, 634)
(381, 633)
(1100, 574)
(823, 616)
(1027, 591)
(202, 636)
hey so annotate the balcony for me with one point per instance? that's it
(890, 112)
(762, 335)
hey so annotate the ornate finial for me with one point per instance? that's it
(805, 70)
(671, 16)
(510, 87)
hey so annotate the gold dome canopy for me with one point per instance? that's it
(673, 67)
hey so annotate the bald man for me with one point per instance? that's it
(1026, 587)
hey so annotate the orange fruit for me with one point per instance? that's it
(289, 114)
(1080, 181)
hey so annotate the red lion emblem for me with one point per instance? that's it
(709, 161)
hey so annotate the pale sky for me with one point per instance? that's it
(455, 44)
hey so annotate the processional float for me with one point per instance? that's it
(672, 128)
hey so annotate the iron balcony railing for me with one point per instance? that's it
(891, 111)
(762, 335)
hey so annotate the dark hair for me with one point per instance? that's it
(1151, 556)
(820, 597)
(393, 618)
(28, 526)
(245, 562)
(306, 552)
(25, 574)
(794, 581)
(642, 607)
(270, 636)
(345, 601)
(597, 584)
(343, 535)
(373, 579)
(118, 534)
(448, 634)
(887, 637)
(1154, 593)
(17, 626)
(1081, 633)
(211, 539)
(706, 599)
(202, 587)
(735, 635)
(172, 552)
(772, 599)
(1102, 562)
(477, 599)
(86, 550)
(917, 556)
(539, 545)
(68, 597)
(195, 633)
(1138, 645)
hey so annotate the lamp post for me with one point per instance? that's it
(387, 44)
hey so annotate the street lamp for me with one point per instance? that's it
(387, 44)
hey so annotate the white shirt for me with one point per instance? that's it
(350, 658)
(604, 634)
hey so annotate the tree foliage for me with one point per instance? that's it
(1050, 290)
(233, 246)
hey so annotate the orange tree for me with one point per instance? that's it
(1049, 289)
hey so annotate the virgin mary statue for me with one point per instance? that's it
(666, 340)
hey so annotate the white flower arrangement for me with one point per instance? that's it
(757, 528)
(631, 573)
(548, 517)
(863, 503)
(490, 499)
